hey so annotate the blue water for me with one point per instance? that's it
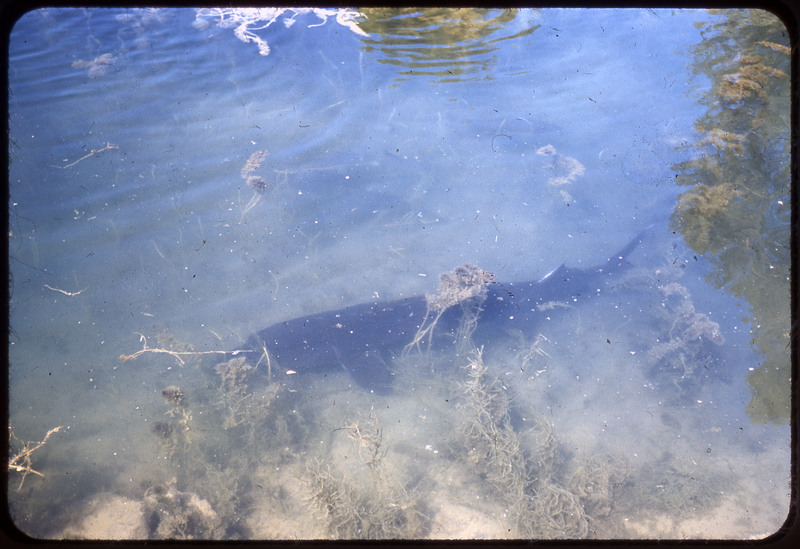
(383, 172)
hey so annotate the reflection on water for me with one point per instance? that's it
(247, 21)
(737, 211)
(451, 44)
(246, 191)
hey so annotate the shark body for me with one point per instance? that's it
(363, 339)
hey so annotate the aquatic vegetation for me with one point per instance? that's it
(255, 182)
(684, 335)
(492, 444)
(677, 492)
(98, 66)
(234, 374)
(368, 442)
(737, 213)
(706, 208)
(486, 405)
(250, 415)
(595, 482)
(174, 435)
(20, 461)
(172, 514)
(361, 513)
(531, 353)
(543, 494)
(688, 324)
(521, 478)
(459, 285)
(253, 163)
(162, 429)
(373, 506)
(539, 443)
(466, 286)
(235, 397)
(554, 513)
(212, 454)
(565, 168)
(174, 396)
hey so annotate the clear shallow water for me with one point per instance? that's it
(556, 138)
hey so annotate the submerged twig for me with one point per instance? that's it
(92, 153)
(176, 354)
(21, 462)
(71, 294)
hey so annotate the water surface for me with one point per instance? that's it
(398, 145)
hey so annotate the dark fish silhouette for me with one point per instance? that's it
(363, 339)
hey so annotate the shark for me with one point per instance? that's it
(365, 339)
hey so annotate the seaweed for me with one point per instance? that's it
(361, 513)
(210, 475)
(372, 506)
(684, 335)
(520, 479)
(235, 398)
(540, 447)
(531, 354)
(595, 482)
(663, 487)
(175, 434)
(565, 168)
(554, 512)
(492, 443)
(255, 182)
(368, 441)
(466, 286)
(540, 495)
(234, 374)
(98, 66)
(172, 514)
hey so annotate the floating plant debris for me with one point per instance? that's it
(566, 169)
(97, 66)
(173, 395)
(253, 163)
(255, 182)
(455, 286)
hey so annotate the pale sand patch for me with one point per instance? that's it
(109, 517)
(280, 509)
(460, 522)
(726, 521)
